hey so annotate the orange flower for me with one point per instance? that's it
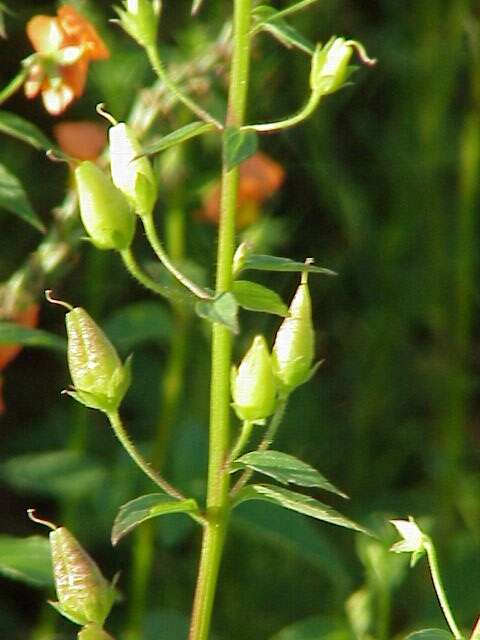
(28, 317)
(260, 178)
(81, 140)
(65, 44)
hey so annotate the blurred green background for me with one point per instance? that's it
(382, 187)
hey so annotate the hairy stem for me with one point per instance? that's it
(218, 479)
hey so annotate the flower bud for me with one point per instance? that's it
(132, 175)
(84, 596)
(293, 351)
(100, 380)
(253, 385)
(139, 18)
(105, 212)
(93, 632)
(330, 65)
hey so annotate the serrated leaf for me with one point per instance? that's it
(139, 322)
(286, 469)
(224, 310)
(239, 145)
(191, 130)
(22, 129)
(430, 634)
(256, 297)
(146, 507)
(27, 560)
(296, 502)
(61, 474)
(12, 333)
(281, 30)
(275, 263)
(14, 199)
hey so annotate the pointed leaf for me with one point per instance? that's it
(239, 145)
(14, 199)
(276, 263)
(296, 502)
(256, 297)
(22, 129)
(224, 310)
(12, 333)
(280, 29)
(146, 507)
(191, 130)
(27, 560)
(430, 634)
(286, 469)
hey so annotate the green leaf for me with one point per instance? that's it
(430, 634)
(286, 469)
(12, 333)
(146, 507)
(139, 322)
(61, 474)
(275, 263)
(22, 129)
(239, 145)
(315, 628)
(191, 130)
(27, 560)
(281, 30)
(296, 502)
(14, 199)
(256, 297)
(224, 310)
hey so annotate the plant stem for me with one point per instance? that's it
(439, 589)
(264, 444)
(218, 480)
(137, 457)
(243, 438)
(288, 11)
(134, 269)
(159, 69)
(304, 113)
(13, 85)
(157, 246)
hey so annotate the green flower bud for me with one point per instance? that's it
(132, 175)
(293, 351)
(84, 595)
(93, 632)
(330, 65)
(100, 379)
(140, 18)
(253, 385)
(105, 212)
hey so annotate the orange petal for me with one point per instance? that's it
(75, 76)
(45, 34)
(82, 140)
(260, 177)
(80, 31)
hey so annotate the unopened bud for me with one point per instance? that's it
(253, 385)
(131, 174)
(100, 379)
(293, 351)
(93, 632)
(105, 212)
(140, 18)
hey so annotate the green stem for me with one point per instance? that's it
(264, 444)
(13, 86)
(218, 480)
(243, 438)
(294, 8)
(159, 69)
(137, 457)
(157, 246)
(144, 279)
(305, 112)
(439, 589)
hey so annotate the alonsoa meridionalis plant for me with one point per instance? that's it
(111, 205)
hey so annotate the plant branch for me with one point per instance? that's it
(305, 112)
(288, 11)
(136, 272)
